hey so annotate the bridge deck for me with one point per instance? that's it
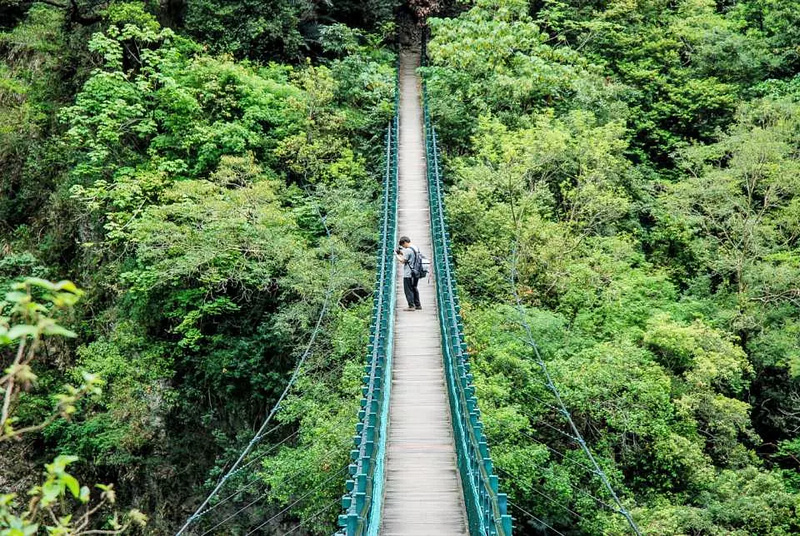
(423, 493)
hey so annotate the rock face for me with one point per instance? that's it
(409, 30)
(17, 473)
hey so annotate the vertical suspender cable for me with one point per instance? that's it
(262, 430)
(561, 406)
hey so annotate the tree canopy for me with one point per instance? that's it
(628, 171)
(622, 177)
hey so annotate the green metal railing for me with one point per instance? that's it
(363, 501)
(486, 507)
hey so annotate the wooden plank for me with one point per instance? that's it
(423, 495)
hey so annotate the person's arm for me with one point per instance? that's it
(400, 257)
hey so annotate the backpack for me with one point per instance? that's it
(420, 264)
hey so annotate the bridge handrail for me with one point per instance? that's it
(486, 506)
(362, 502)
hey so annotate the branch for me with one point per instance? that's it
(52, 3)
(89, 513)
(120, 531)
(10, 386)
(60, 411)
(29, 429)
(53, 516)
(75, 15)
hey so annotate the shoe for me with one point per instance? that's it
(409, 309)
(418, 308)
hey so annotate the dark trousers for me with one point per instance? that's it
(410, 288)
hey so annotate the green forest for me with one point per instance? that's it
(189, 204)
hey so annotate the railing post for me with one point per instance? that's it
(486, 507)
(357, 503)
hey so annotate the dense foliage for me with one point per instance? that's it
(629, 172)
(208, 202)
(207, 172)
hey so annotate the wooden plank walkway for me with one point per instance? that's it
(423, 494)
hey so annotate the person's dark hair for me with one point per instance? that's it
(404, 240)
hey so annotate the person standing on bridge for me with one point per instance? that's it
(407, 255)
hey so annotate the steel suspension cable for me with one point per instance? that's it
(237, 512)
(246, 486)
(545, 495)
(295, 374)
(557, 452)
(314, 516)
(252, 483)
(325, 455)
(483, 484)
(561, 409)
(335, 474)
(543, 403)
(583, 492)
(578, 437)
(537, 519)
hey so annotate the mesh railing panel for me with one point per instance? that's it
(362, 502)
(486, 507)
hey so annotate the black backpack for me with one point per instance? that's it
(419, 268)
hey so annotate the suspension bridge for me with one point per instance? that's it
(422, 465)
(419, 463)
